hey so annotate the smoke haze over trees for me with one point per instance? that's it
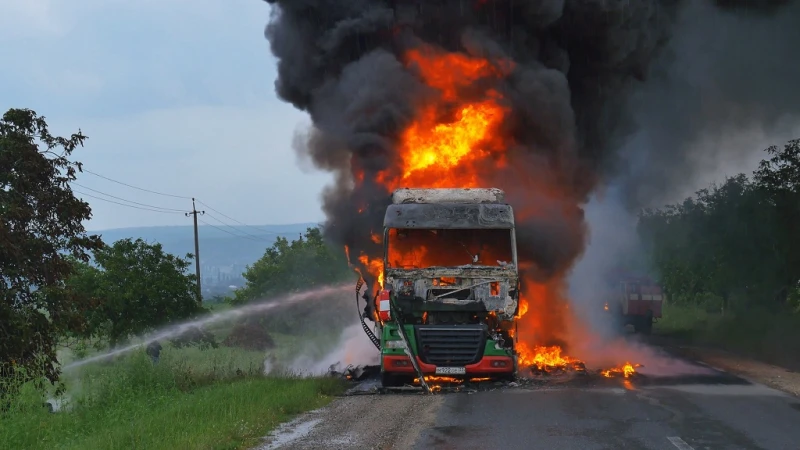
(728, 260)
(734, 246)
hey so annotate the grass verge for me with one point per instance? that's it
(768, 337)
(189, 400)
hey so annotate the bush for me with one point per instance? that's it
(250, 334)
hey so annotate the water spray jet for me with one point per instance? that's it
(250, 308)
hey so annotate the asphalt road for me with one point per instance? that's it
(715, 410)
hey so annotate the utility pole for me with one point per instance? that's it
(194, 213)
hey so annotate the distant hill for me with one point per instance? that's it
(223, 254)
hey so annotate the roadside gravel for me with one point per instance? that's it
(773, 376)
(381, 422)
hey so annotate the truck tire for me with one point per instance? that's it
(647, 323)
(390, 380)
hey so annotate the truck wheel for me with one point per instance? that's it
(390, 380)
(647, 323)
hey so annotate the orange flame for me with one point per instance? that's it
(442, 145)
(374, 266)
(433, 379)
(626, 370)
(456, 139)
(542, 357)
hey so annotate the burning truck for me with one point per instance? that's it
(450, 294)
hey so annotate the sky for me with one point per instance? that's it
(178, 97)
(175, 97)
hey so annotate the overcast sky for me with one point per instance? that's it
(175, 96)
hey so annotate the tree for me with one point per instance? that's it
(779, 178)
(137, 288)
(41, 225)
(302, 264)
(733, 242)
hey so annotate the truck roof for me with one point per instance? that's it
(448, 195)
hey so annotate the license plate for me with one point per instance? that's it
(451, 370)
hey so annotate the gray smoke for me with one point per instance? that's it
(723, 90)
(584, 83)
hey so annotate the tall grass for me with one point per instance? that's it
(191, 399)
(770, 337)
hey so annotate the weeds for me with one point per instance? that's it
(191, 399)
(764, 335)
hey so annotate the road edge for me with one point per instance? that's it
(776, 377)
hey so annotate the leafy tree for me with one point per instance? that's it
(137, 288)
(733, 242)
(286, 267)
(779, 179)
(40, 227)
(302, 264)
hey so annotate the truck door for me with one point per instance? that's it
(634, 300)
(653, 299)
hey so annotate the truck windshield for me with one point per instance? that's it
(420, 248)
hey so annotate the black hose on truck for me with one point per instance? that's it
(364, 325)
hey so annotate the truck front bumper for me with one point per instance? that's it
(487, 366)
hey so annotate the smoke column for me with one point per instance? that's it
(571, 75)
(343, 63)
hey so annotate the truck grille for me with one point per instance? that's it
(455, 345)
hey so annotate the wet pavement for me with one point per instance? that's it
(710, 409)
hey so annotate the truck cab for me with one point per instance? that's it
(451, 288)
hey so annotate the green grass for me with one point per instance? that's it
(684, 321)
(770, 337)
(192, 399)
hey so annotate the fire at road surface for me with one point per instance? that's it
(706, 410)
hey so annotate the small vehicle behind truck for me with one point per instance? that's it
(451, 291)
(634, 300)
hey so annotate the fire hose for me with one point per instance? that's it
(401, 328)
(364, 325)
(411, 356)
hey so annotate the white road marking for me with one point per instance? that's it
(679, 443)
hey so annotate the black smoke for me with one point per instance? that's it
(580, 66)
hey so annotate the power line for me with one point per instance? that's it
(147, 207)
(237, 221)
(134, 187)
(224, 230)
(124, 204)
(232, 227)
(129, 201)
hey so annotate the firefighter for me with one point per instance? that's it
(153, 350)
